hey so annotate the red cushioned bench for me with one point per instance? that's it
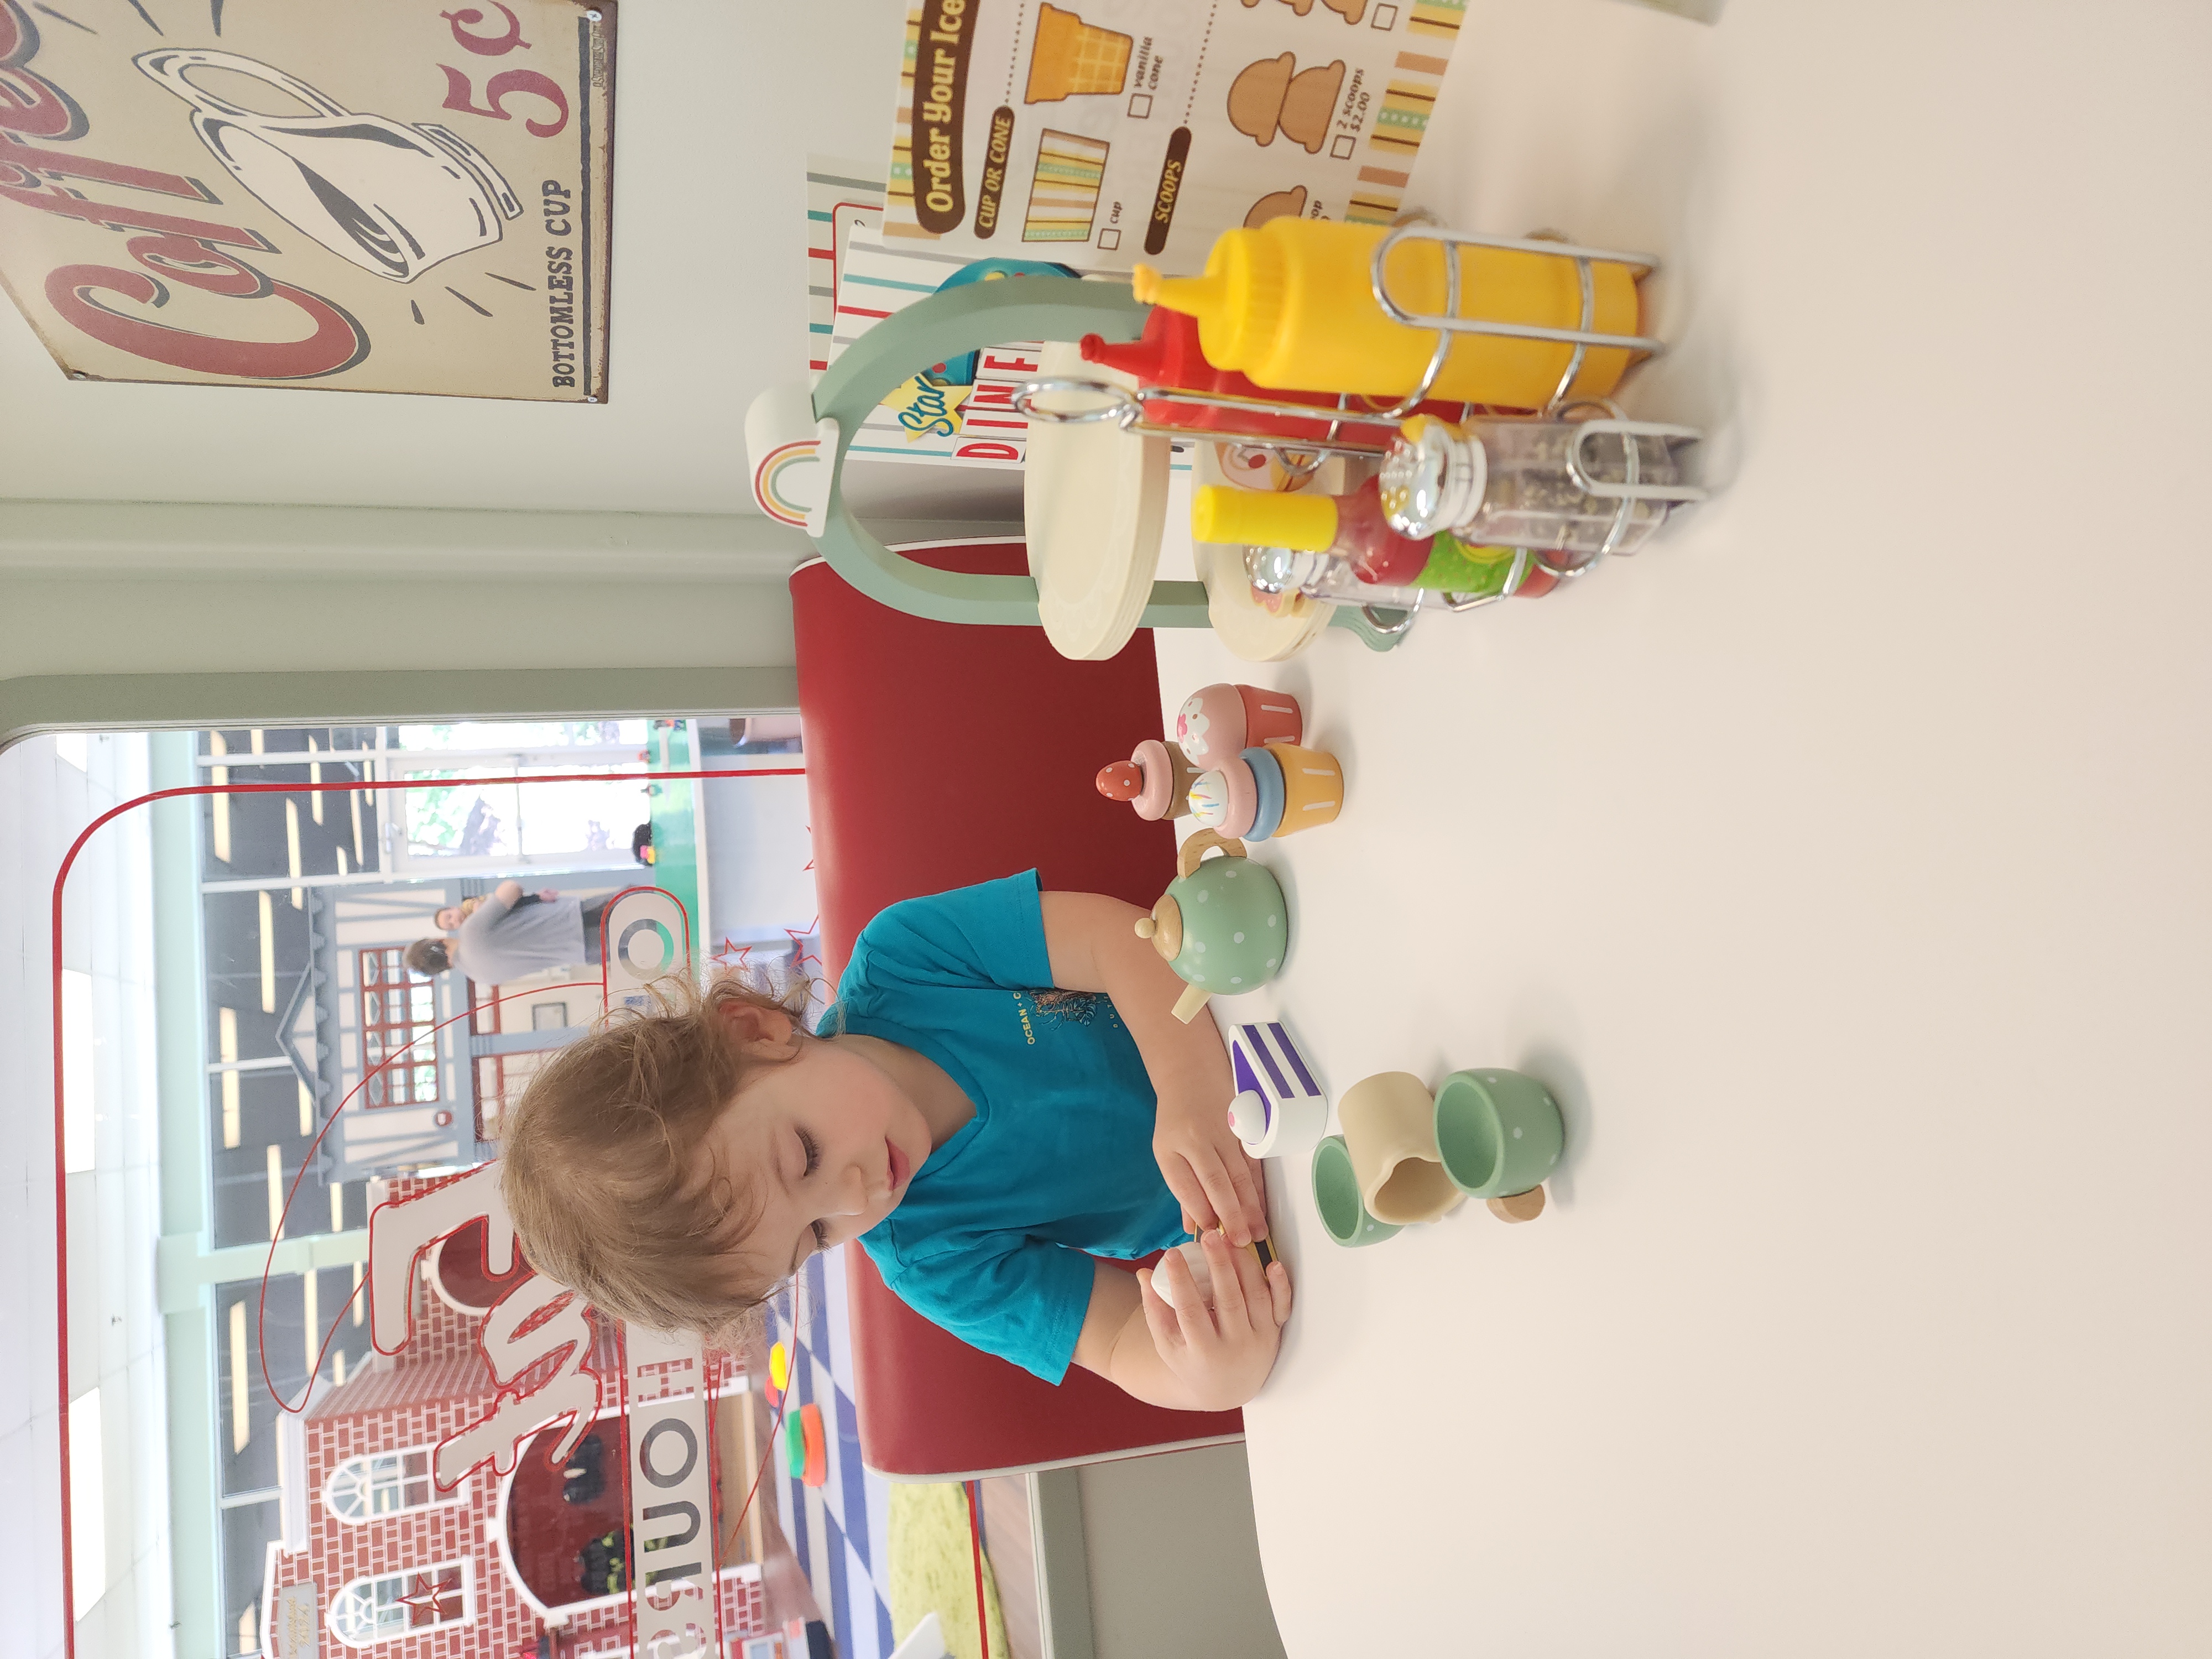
(937, 756)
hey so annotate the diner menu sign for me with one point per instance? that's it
(1097, 133)
(406, 196)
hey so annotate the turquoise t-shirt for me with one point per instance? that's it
(990, 1241)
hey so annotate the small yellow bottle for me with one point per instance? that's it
(1288, 303)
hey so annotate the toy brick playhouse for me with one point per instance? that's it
(529, 1565)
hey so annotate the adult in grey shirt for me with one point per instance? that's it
(509, 936)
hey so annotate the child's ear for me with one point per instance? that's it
(760, 1031)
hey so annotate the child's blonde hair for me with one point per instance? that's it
(598, 1160)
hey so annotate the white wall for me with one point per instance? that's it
(718, 103)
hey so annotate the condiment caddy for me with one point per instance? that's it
(1464, 378)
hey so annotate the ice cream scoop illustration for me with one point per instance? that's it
(393, 198)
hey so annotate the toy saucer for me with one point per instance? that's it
(1094, 506)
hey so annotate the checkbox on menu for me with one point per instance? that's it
(1342, 146)
(1140, 105)
(1109, 239)
(1386, 17)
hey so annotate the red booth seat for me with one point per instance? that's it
(937, 756)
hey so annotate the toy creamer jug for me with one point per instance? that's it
(392, 198)
(1223, 925)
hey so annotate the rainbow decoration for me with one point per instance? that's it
(773, 477)
(1071, 170)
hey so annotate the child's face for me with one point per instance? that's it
(447, 918)
(828, 1143)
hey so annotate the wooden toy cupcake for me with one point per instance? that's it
(1155, 780)
(1313, 786)
(1216, 721)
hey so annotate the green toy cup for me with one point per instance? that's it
(1498, 1133)
(1336, 1195)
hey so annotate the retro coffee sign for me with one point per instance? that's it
(393, 197)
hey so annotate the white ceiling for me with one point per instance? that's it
(717, 104)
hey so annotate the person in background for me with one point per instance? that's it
(511, 934)
(450, 917)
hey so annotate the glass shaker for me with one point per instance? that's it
(1458, 577)
(1580, 488)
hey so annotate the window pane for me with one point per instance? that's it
(470, 814)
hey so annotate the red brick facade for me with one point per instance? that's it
(412, 1400)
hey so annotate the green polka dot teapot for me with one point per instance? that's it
(1223, 925)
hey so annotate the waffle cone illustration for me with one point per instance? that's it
(1309, 104)
(1277, 204)
(1072, 58)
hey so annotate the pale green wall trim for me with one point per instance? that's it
(370, 696)
(186, 538)
(195, 539)
(181, 1080)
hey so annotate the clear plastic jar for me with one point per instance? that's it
(1580, 486)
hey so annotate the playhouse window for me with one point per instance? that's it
(399, 1604)
(385, 1483)
(398, 1008)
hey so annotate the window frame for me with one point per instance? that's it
(358, 1593)
(366, 1483)
(378, 1075)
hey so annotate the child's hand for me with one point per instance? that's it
(1221, 1354)
(1208, 1171)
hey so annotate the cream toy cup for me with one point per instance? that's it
(1389, 1124)
(1223, 925)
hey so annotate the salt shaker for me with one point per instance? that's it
(1580, 488)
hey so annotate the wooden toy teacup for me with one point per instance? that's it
(1336, 1196)
(1499, 1135)
(1389, 1124)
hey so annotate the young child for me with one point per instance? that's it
(1000, 1094)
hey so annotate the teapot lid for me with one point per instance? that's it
(1163, 927)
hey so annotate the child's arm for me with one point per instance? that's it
(1153, 1335)
(1092, 942)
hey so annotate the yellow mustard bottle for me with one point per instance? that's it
(1288, 305)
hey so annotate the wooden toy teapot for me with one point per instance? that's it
(1224, 926)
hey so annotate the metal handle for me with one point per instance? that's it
(1201, 842)
(1631, 489)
